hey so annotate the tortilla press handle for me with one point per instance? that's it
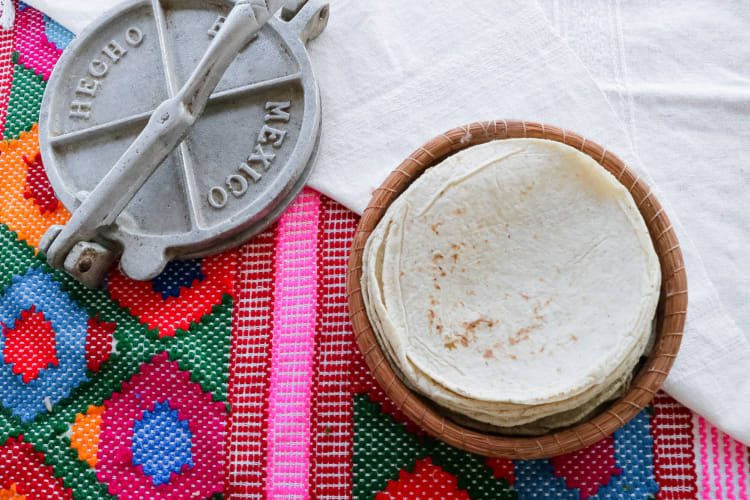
(306, 17)
(72, 247)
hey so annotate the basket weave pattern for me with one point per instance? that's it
(671, 312)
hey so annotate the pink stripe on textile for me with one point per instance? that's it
(742, 458)
(292, 351)
(726, 441)
(705, 470)
(249, 370)
(722, 465)
(717, 464)
(6, 74)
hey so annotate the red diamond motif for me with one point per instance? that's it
(30, 345)
(502, 467)
(589, 468)
(38, 186)
(428, 481)
(98, 342)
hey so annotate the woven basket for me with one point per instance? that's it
(670, 313)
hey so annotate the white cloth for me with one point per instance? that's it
(677, 76)
(8, 16)
(394, 74)
(74, 14)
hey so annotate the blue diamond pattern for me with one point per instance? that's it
(68, 320)
(57, 34)
(177, 275)
(162, 443)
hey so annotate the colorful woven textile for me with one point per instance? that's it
(238, 375)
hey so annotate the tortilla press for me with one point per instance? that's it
(174, 129)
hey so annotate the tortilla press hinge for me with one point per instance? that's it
(112, 220)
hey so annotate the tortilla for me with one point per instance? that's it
(514, 281)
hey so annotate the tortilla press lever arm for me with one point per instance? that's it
(308, 18)
(72, 247)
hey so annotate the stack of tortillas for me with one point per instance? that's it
(515, 284)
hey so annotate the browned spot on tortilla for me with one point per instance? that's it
(537, 308)
(436, 226)
(437, 287)
(463, 244)
(450, 345)
(534, 236)
(431, 315)
(470, 333)
(573, 338)
(474, 324)
(548, 302)
(488, 354)
(401, 274)
(542, 349)
(439, 327)
(454, 257)
(541, 279)
(462, 303)
(471, 293)
(433, 300)
(522, 334)
(459, 211)
(463, 269)
(512, 356)
(437, 257)
(525, 297)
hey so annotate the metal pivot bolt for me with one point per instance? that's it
(77, 247)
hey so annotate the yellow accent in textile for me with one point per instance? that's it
(19, 213)
(85, 435)
(11, 494)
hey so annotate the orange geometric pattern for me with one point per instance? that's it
(11, 493)
(21, 214)
(85, 434)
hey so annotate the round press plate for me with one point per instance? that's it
(243, 162)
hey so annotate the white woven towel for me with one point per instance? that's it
(394, 74)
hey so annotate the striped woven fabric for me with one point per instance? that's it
(238, 376)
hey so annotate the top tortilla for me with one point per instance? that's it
(517, 272)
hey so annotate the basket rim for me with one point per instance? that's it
(670, 314)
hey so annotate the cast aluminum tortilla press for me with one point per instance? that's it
(175, 129)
